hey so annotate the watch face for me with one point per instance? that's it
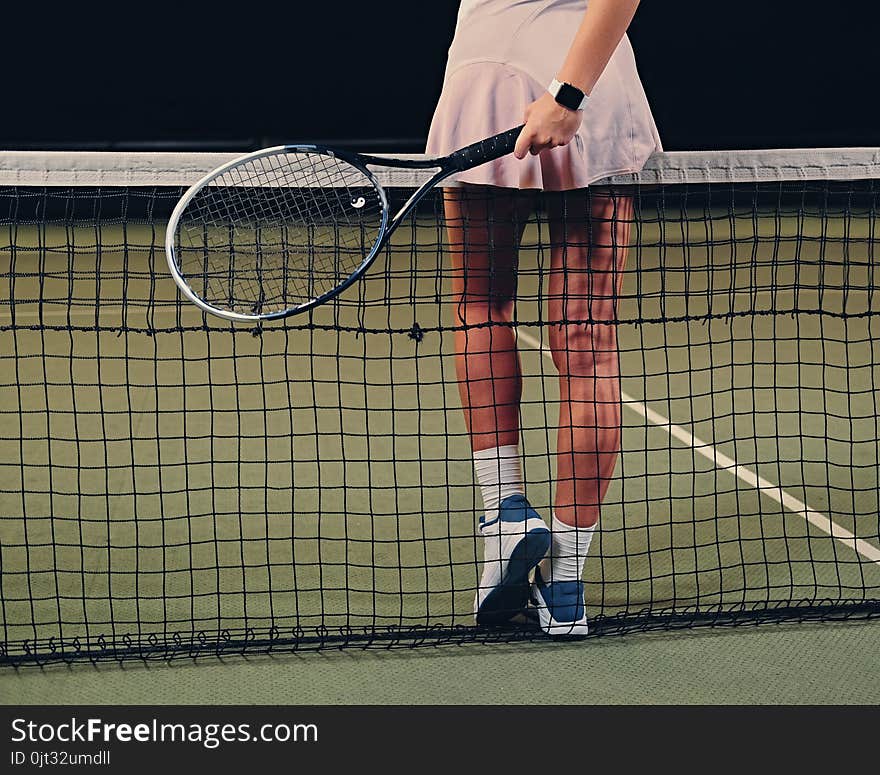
(569, 96)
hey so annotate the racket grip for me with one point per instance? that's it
(485, 150)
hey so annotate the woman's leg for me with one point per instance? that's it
(589, 235)
(485, 226)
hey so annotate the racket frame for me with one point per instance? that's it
(465, 158)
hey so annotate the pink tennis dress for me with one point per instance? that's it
(503, 57)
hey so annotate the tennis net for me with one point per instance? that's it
(173, 484)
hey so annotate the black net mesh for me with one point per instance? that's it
(171, 483)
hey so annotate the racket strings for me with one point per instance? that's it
(278, 231)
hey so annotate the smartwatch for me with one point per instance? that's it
(567, 95)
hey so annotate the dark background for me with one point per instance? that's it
(738, 74)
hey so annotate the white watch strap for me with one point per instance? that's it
(556, 85)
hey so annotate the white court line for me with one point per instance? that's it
(725, 463)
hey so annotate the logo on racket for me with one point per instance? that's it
(358, 202)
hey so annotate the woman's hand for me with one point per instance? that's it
(548, 125)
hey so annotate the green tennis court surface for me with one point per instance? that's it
(170, 484)
(823, 663)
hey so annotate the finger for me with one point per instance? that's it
(523, 143)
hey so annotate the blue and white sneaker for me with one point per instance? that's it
(515, 542)
(560, 606)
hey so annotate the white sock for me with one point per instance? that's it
(568, 550)
(499, 474)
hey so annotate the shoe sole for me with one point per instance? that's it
(557, 629)
(506, 600)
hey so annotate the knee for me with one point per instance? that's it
(474, 309)
(582, 349)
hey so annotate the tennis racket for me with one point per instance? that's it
(280, 231)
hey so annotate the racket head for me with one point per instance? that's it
(276, 232)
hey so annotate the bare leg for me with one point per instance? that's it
(589, 232)
(485, 225)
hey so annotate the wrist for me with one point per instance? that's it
(568, 95)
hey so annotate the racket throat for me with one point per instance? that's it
(410, 204)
